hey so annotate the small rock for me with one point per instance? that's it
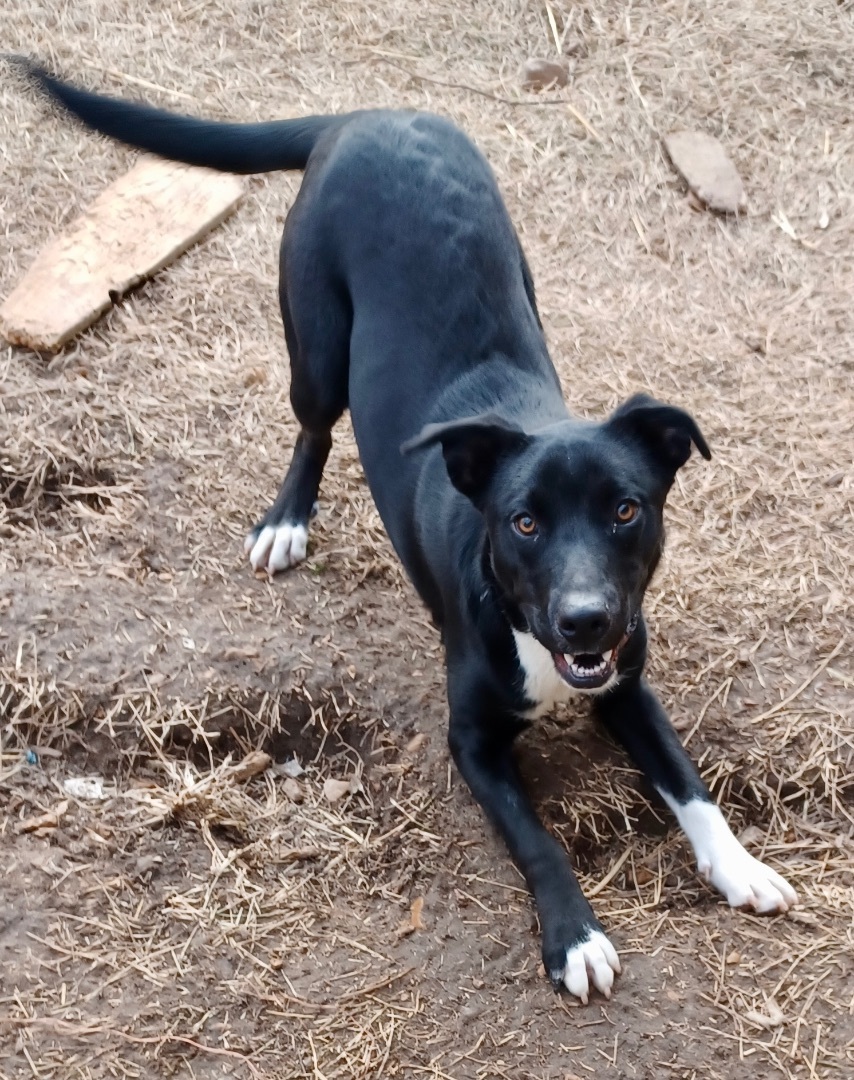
(90, 788)
(805, 917)
(153, 561)
(539, 74)
(416, 742)
(293, 790)
(256, 377)
(752, 836)
(710, 174)
(335, 790)
(146, 864)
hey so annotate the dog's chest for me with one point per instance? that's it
(542, 684)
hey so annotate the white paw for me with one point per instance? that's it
(724, 863)
(592, 964)
(748, 883)
(276, 547)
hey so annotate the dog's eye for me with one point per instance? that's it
(626, 512)
(525, 525)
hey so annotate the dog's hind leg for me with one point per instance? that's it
(317, 332)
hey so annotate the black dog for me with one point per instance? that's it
(531, 536)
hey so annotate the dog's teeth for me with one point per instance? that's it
(587, 671)
(597, 669)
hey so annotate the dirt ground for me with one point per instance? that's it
(189, 920)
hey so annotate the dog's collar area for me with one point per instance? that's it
(493, 589)
(592, 671)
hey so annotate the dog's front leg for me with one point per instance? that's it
(635, 718)
(576, 952)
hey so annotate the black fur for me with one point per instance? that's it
(406, 296)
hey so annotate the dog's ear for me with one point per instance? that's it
(666, 431)
(472, 449)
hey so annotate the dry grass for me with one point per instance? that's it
(194, 923)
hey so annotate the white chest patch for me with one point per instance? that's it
(543, 685)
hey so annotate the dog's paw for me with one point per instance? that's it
(724, 863)
(590, 964)
(746, 882)
(276, 547)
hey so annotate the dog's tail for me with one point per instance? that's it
(235, 148)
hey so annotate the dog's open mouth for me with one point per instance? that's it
(591, 671)
(586, 671)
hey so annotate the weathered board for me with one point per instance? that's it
(139, 224)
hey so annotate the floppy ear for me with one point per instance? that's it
(666, 431)
(472, 449)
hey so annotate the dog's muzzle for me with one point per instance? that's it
(592, 671)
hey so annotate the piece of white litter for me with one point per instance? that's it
(771, 1017)
(291, 768)
(90, 788)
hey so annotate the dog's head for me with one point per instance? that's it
(574, 516)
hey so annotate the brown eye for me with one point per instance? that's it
(525, 525)
(627, 511)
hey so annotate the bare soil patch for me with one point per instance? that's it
(190, 923)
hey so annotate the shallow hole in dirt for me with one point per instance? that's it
(42, 495)
(285, 728)
(753, 792)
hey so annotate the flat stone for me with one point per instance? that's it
(538, 74)
(707, 169)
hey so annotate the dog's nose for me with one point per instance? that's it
(583, 621)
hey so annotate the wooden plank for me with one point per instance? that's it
(140, 223)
